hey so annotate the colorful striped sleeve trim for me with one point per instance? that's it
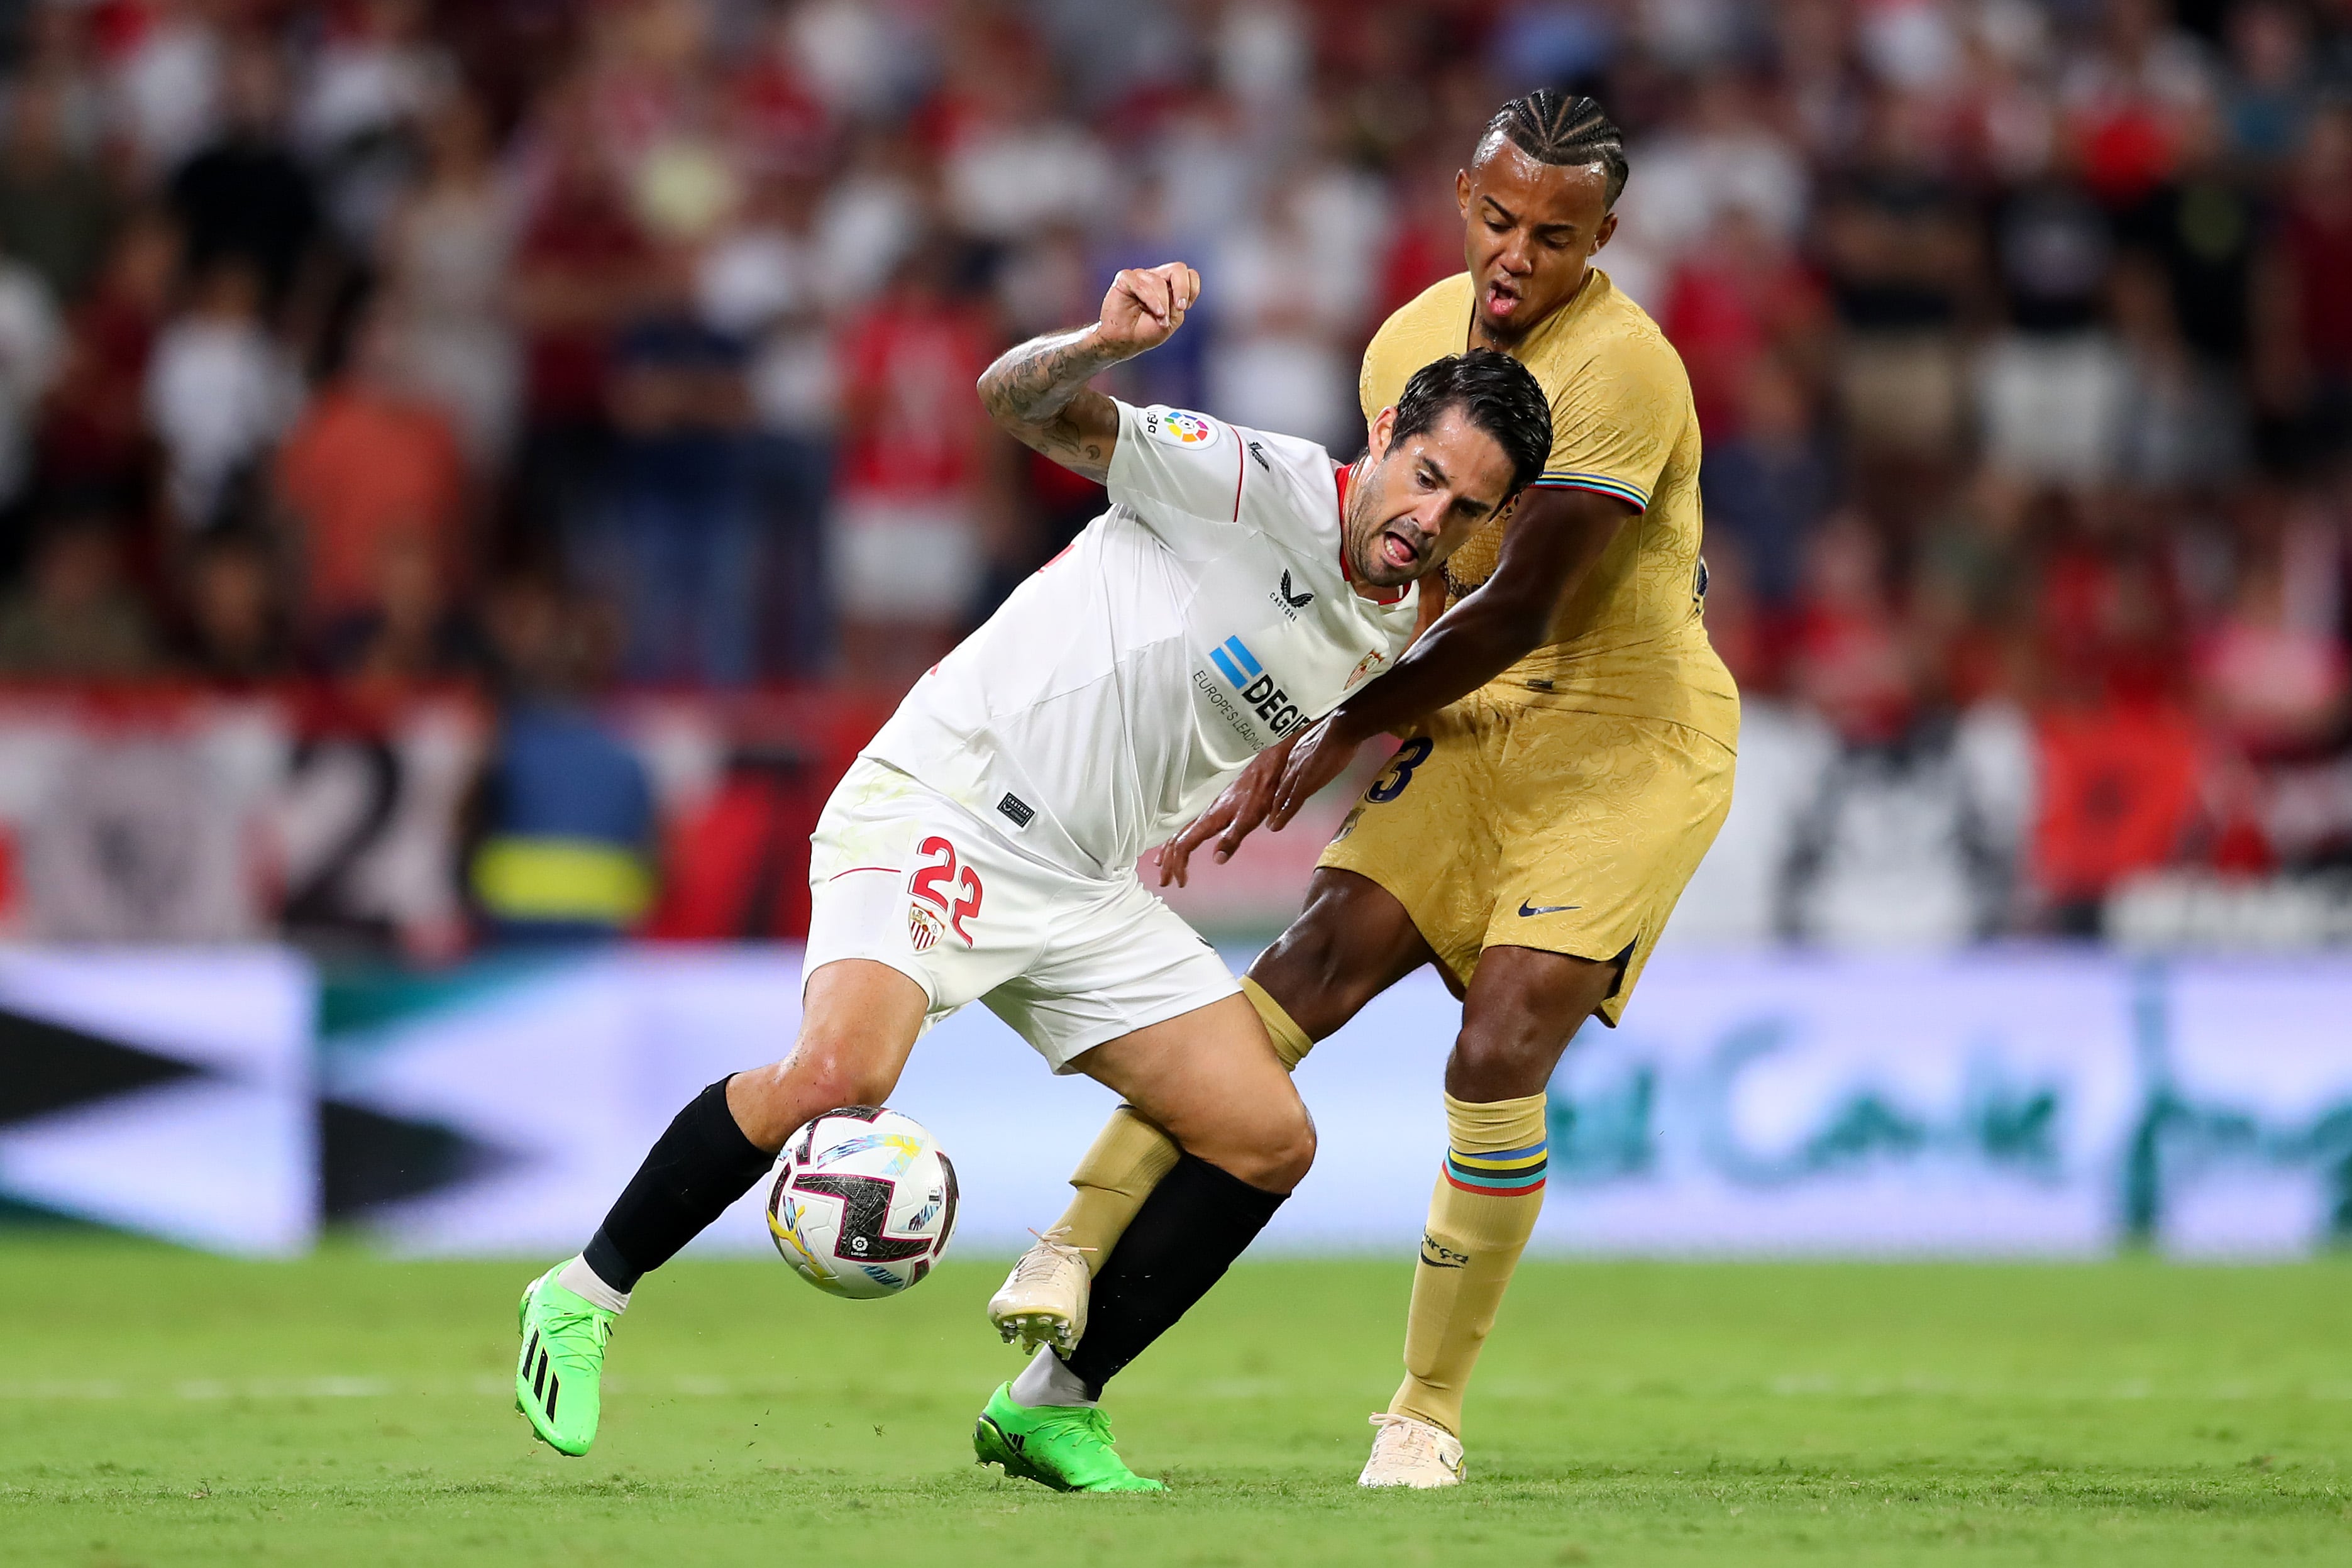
(1507, 1173)
(1600, 484)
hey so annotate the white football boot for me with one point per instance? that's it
(1043, 1301)
(1407, 1452)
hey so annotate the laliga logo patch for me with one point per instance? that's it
(1180, 427)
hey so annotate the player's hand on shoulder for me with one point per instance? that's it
(1145, 305)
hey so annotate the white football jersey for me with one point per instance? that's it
(1205, 617)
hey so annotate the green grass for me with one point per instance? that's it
(160, 1408)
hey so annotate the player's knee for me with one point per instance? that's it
(1500, 1063)
(1275, 1154)
(822, 1073)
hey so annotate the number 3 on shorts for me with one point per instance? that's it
(942, 868)
(1409, 756)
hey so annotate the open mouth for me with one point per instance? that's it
(1501, 297)
(1397, 550)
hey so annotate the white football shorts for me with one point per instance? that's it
(904, 876)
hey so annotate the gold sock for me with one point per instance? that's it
(1130, 1155)
(1488, 1194)
(1290, 1042)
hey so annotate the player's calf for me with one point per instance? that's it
(858, 1022)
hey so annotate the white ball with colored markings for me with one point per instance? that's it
(863, 1201)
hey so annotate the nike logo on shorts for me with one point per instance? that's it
(1546, 910)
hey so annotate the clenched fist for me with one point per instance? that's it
(1145, 307)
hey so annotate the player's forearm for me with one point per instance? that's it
(1038, 392)
(1467, 648)
(1556, 540)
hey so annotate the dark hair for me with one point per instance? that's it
(1553, 128)
(1497, 394)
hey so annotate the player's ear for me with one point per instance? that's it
(1376, 439)
(1608, 229)
(1462, 192)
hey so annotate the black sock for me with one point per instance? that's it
(695, 1169)
(1181, 1242)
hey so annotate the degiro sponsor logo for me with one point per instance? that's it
(1270, 703)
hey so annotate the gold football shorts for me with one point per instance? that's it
(1509, 821)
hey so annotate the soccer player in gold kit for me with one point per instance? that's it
(1568, 739)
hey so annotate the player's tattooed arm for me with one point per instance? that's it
(1038, 392)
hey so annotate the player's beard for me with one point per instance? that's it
(1366, 491)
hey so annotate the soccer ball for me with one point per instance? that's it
(864, 1202)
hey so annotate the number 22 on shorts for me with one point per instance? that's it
(943, 870)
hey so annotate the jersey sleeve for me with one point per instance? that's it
(1176, 469)
(1615, 423)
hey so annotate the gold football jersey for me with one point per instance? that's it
(1629, 641)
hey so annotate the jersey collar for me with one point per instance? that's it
(1340, 472)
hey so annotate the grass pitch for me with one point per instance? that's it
(163, 1408)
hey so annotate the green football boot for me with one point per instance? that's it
(558, 1382)
(1065, 1446)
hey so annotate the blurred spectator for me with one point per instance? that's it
(31, 344)
(94, 432)
(243, 198)
(2270, 95)
(564, 810)
(2050, 391)
(580, 264)
(1281, 357)
(1900, 253)
(57, 59)
(76, 617)
(238, 631)
(2308, 346)
(681, 501)
(1848, 656)
(1147, 236)
(2124, 97)
(1766, 488)
(1737, 299)
(220, 389)
(378, 78)
(1011, 164)
(369, 462)
(2110, 623)
(2201, 227)
(168, 85)
(2273, 672)
(414, 630)
(58, 210)
(445, 250)
(906, 549)
(1724, 154)
(763, 283)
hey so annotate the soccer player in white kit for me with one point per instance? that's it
(984, 846)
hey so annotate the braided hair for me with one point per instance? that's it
(1552, 128)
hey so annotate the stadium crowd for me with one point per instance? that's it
(370, 347)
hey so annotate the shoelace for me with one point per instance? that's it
(1051, 1252)
(1417, 1438)
(557, 1321)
